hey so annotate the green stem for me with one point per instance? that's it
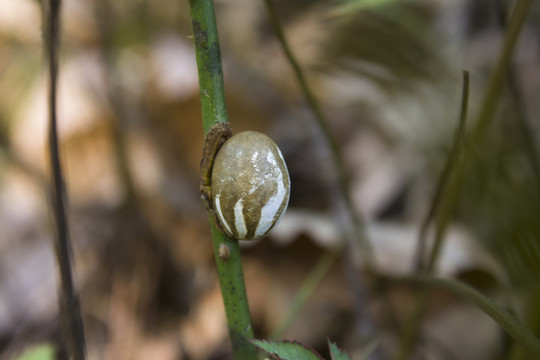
(532, 323)
(520, 108)
(322, 122)
(443, 179)
(442, 210)
(489, 105)
(456, 171)
(205, 35)
(233, 292)
(509, 323)
(212, 93)
(306, 290)
(525, 128)
(443, 215)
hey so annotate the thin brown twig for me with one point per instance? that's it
(70, 313)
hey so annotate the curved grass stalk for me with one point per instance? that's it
(507, 322)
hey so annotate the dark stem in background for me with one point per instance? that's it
(70, 313)
(323, 124)
(212, 94)
(121, 112)
(361, 289)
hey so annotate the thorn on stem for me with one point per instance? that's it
(224, 252)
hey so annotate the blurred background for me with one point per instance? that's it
(388, 75)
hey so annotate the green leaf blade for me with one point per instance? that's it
(337, 353)
(287, 350)
(42, 352)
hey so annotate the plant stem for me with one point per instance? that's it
(208, 55)
(70, 313)
(306, 290)
(443, 178)
(455, 174)
(233, 291)
(212, 93)
(359, 240)
(441, 209)
(520, 107)
(115, 96)
(443, 216)
(490, 101)
(527, 132)
(322, 122)
(508, 322)
(361, 289)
